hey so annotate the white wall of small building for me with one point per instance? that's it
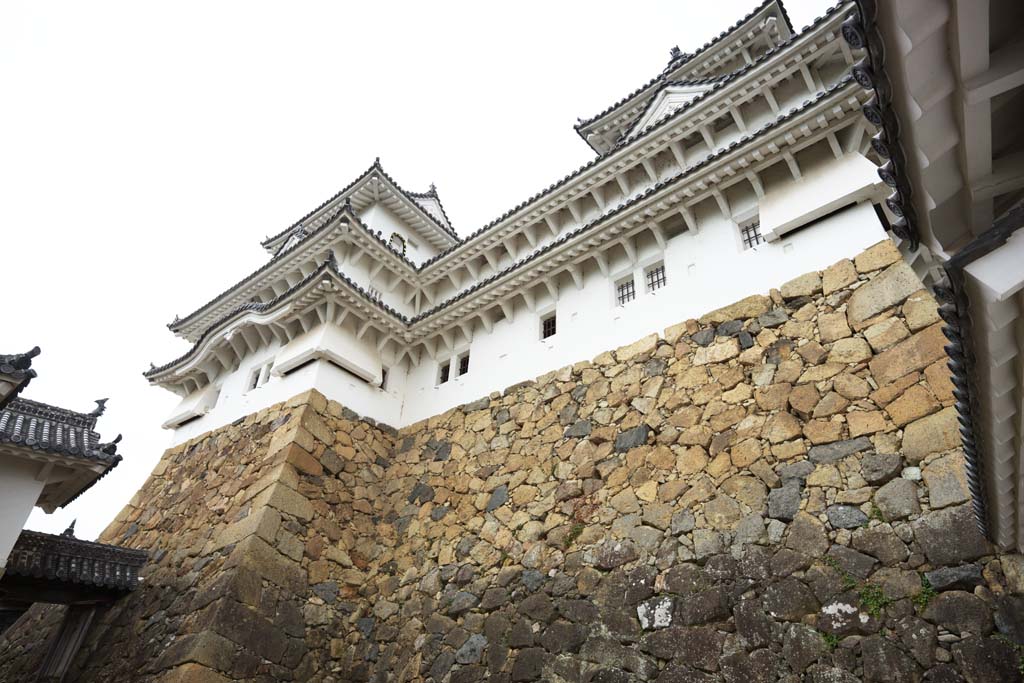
(19, 491)
(379, 217)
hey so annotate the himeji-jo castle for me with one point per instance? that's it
(740, 165)
(736, 401)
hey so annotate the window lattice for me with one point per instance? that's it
(656, 278)
(547, 328)
(445, 372)
(751, 234)
(625, 292)
(464, 364)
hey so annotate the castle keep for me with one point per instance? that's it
(692, 413)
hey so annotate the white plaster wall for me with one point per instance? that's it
(705, 269)
(19, 491)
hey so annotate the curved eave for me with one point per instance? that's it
(321, 281)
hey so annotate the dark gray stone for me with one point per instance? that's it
(852, 562)
(472, 650)
(845, 516)
(686, 578)
(613, 554)
(494, 598)
(897, 500)
(919, 638)
(882, 543)
(327, 591)
(987, 660)
(784, 502)
(421, 493)
(943, 673)
(463, 601)
(746, 339)
(705, 607)
(528, 665)
(836, 451)
(772, 318)
(964, 577)
(578, 611)
(521, 634)
(740, 667)
(677, 672)
(960, 612)
(655, 366)
(438, 513)
(704, 337)
(442, 665)
(801, 645)
(632, 438)
(884, 662)
(821, 673)
(752, 623)
(1009, 617)
(729, 328)
(789, 600)
(610, 653)
(950, 536)
(578, 430)
(878, 468)
(538, 607)
(532, 579)
(562, 636)
(797, 470)
(498, 498)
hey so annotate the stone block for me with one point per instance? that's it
(837, 276)
(877, 256)
(889, 288)
(286, 499)
(849, 350)
(255, 554)
(897, 500)
(833, 326)
(933, 434)
(192, 673)
(807, 284)
(750, 307)
(950, 536)
(884, 334)
(641, 347)
(946, 479)
(921, 310)
(915, 403)
(262, 521)
(914, 353)
(717, 353)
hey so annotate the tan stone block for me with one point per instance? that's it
(738, 394)
(887, 289)
(890, 392)
(750, 307)
(745, 452)
(932, 434)
(946, 479)
(940, 381)
(773, 397)
(625, 501)
(255, 554)
(671, 490)
(877, 256)
(857, 496)
(1013, 570)
(794, 329)
(803, 398)
(781, 427)
(263, 522)
(192, 673)
(837, 276)
(296, 456)
(820, 373)
(790, 449)
(661, 457)
(921, 310)
(524, 494)
(789, 370)
(691, 460)
(722, 512)
(717, 353)
(807, 284)
(719, 465)
(833, 326)
(285, 499)
(915, 353)
(676, 332)
(884, 334)
(825, 475)
(648, 491)
(640, 347)
(863, 422)
(702, 488)
(695, 436)
(830, 404)
(915, 403)
(747, 490)
(693, 377)
(823, 431)
(849, 350)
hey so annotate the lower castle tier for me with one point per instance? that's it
(773, 491)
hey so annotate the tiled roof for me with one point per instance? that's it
(18, 367)
(71, 560)
(330, 266)
(375, 167)
(681, 58)
(46, 428)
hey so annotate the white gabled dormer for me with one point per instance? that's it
(670, 99)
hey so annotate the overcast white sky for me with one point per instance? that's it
(146, 149)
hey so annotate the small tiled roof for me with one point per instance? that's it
(46, 428)
(17, 367)
(68, 559)
(375, 167)
(681, 58)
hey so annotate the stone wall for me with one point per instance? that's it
(773, 492)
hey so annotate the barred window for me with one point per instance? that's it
(548, 327)
(751, 234)
(383, 378)
(625, 291)
(445, 372)
(656, 277)
(464, 363)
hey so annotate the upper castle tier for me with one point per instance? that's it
(742, 164)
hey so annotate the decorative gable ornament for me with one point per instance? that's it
(670, 99)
